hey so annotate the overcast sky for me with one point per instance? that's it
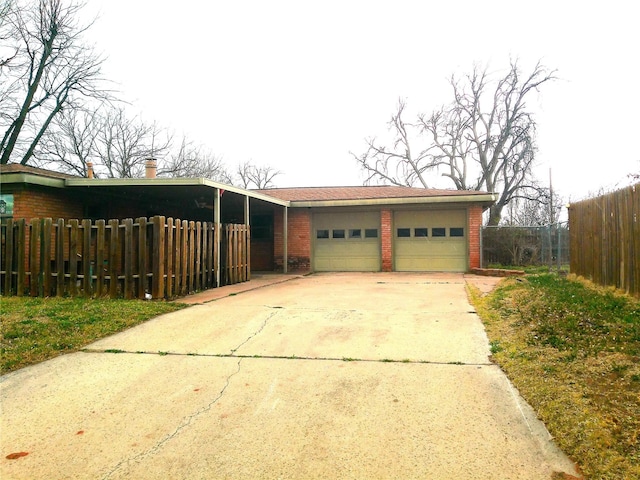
(298, 84)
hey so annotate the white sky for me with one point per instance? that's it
(296, 85)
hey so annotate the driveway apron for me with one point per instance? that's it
(355, 376)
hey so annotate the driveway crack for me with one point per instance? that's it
(186, 421)
(264, 324)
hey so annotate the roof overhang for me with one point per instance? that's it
(485, 200)
(200, 184)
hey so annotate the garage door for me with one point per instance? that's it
(430, 241)
(346, 242)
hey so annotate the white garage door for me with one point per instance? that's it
(430, 241)
(346, 242)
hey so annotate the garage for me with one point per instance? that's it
(346, 242)
(430, 240)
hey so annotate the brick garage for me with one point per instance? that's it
(444, 225)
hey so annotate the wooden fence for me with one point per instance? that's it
(604, 237)
(141, 258)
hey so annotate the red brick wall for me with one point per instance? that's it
(386, 240)
(44, 203)
(299, 239)
(474, 213)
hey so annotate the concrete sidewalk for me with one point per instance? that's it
(323, 376)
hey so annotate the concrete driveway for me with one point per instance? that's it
(357, 376)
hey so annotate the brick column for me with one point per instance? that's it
(386, 240)
(475, 225)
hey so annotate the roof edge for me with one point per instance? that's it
(145, 182)
(485, 199)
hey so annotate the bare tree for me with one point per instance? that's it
(398, 164)
(253, 176)
(71, 142)
(123, 144)
(194, 161)
(483, 140)
(52, 69)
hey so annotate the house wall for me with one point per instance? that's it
(41, 202)
(386, 239)
(299, 239)
(474, 213)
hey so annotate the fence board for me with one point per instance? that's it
(20, 259)
(100, 260)
(34, 260)
(169, 256)
(198, 256)
(73, 257)
(129, 284)
(45, 256)
(114, 231)
(60, 268)
(7, 255)
(158, 257)
(86, 257)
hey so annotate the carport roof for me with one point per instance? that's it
(380, 194)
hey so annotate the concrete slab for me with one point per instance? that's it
(210, 409)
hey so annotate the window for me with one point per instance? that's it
(404, 232)
(371, 233)
(322, 233)
(456, 232)
(355, 233)
(439, 232)
(338, 233)
(420, 232)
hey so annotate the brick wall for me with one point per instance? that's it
(474, 213)
(386, 240)
(31, 203)
(299, 240)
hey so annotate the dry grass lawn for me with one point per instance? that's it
(573, 351)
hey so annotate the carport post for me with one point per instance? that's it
(218, 233)
(285, 221)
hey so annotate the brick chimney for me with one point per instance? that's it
(89, 170)
(150, 168)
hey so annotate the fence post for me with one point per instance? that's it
(73, 257)
(114, 250)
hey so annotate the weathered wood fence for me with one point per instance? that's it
(604, 237)
(157, 257)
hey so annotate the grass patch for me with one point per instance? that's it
(36, 329)
(573, 352)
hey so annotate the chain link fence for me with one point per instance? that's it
(526, 246)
